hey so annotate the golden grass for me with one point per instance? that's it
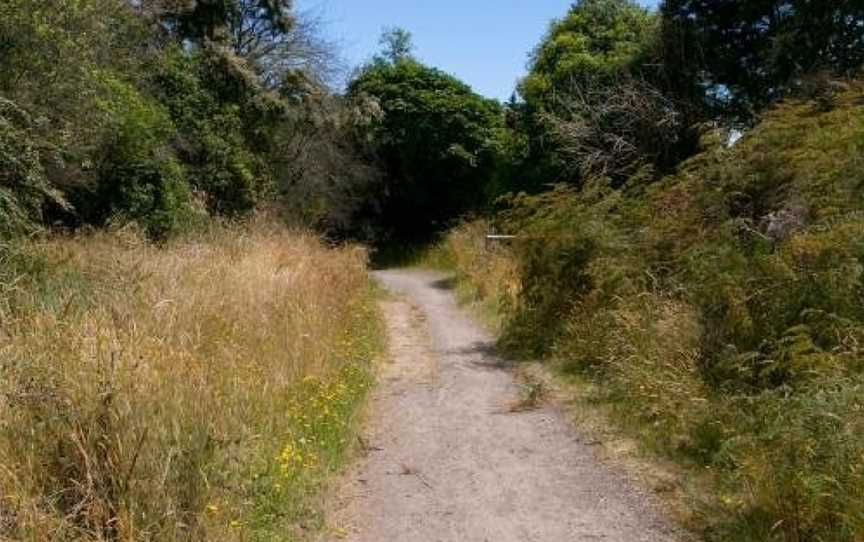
(487, 274)
(151, 393)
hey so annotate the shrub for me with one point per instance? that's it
(799, 457)
(567, 249)
(645, 350)
(720, 310)
(138, 176)
(210, 101)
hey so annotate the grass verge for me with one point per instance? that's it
(202, 390)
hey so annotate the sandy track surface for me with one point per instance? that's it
(447, 459)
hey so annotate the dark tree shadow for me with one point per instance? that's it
(448, 283)
(486, 354)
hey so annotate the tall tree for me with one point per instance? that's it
(437, 142)
(238, 23)
(597, 102)
(749, 53)
(396, 44)
(595, 43)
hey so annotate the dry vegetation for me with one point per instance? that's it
(488, 273)
(196, 391)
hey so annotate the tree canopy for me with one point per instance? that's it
(436, 141)
(396, 44)
(166, 111)
(596, 42)
(752, 53)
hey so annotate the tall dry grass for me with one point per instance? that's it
(487, 273)
(149, 393)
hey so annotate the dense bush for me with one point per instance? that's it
(598, 101)
(138, 177)
(163, 113)
(23, 183)
(722, 310)
(751, 54)
(208, 101)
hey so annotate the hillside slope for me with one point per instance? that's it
(721, 310)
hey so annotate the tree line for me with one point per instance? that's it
(169, 112)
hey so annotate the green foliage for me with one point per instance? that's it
(134, 125)
(598, 101)
(93, 37)
(560, 236)
(232, 21)
(397, 45)
(721, 310)
(138, 177)
(213, 106)
(752, 53)
(799, 455)
(598, 41)
(437, 142)
(23, 184)
(769, 235)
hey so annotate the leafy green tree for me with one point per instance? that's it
(396, 44)
(99, 41)
(749, 53)
(221, 113)
(24, 186)
(139, 178)
(596, 43)
(437, 142)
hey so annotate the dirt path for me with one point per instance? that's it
(448, 461)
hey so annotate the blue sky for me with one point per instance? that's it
(483, 42)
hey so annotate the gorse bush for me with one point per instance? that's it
(561, 237)
(151, 393)
(720, 309)
(798, 457)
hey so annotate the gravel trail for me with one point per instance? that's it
(446, 458)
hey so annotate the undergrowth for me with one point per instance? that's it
(720, 311)
(200, 390)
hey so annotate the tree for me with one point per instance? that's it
(436, 141)
(100, 42)
(237, 23)
(277, 52)
(396, 44)
(324, 168)
(24, 187)
(597, 101)
(750, 53)
(596, 43)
